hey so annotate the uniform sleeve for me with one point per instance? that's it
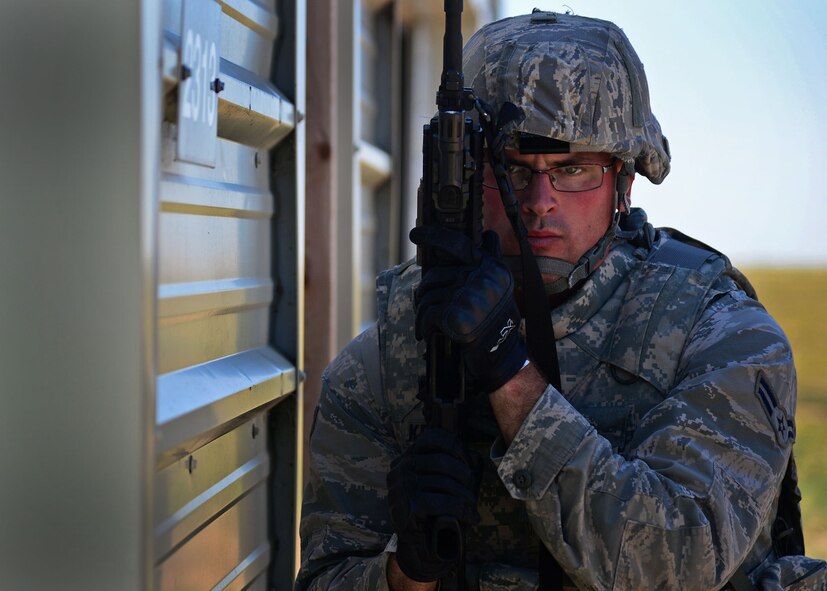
(345, 527)
(685, 506)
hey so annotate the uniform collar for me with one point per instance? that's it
(596, 290)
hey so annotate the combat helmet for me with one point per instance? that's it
(579, 86)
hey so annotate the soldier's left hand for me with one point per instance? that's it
(431, 482)
(470, 299)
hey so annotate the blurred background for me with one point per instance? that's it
(198, 194)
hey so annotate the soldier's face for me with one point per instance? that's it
(560, 224)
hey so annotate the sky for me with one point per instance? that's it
(740, 90)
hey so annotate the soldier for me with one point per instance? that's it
(659, 462)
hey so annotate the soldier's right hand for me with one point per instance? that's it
(431, 484)
(470, 299)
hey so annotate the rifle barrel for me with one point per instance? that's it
(452, 41)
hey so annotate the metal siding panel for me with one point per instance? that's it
(236, 164)
(210, 248)
(250, 48)
(197, 404)
(248, 31)
(202, 340)
(232, 545)
(216, 270)
(251, 110)
(215, 264)
(257, 584)
(249, 570)
(200, 299)
(198, 486)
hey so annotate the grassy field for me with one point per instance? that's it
(797, 299)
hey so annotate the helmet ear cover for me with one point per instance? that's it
(623, 183)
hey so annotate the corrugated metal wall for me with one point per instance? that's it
(153, 290)
(227, 349)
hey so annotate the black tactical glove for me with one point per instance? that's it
(471, 301)
(430, 485)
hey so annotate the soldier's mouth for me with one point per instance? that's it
(541, 240)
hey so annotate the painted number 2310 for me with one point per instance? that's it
(201, 57)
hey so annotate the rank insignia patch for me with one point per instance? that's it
(783, 426)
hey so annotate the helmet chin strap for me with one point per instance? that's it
(538, 324)
(570, 274)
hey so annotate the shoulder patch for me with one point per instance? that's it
(783, 425)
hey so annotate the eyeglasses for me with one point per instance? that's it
(571, 178)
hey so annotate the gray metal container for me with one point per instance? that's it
(229, 239)
(152, 167)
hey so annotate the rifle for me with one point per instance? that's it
(450, 195)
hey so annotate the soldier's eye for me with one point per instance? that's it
(520, 176)
(569, 170)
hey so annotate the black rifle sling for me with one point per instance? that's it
(540, 340)
(539, 328)
(787, 531)
(542, 349)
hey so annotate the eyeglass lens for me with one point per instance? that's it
(572, 178)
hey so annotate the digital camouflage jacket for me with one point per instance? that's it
(657, 467)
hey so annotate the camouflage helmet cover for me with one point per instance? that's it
(576, 79)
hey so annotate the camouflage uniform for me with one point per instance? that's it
(658, 467)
